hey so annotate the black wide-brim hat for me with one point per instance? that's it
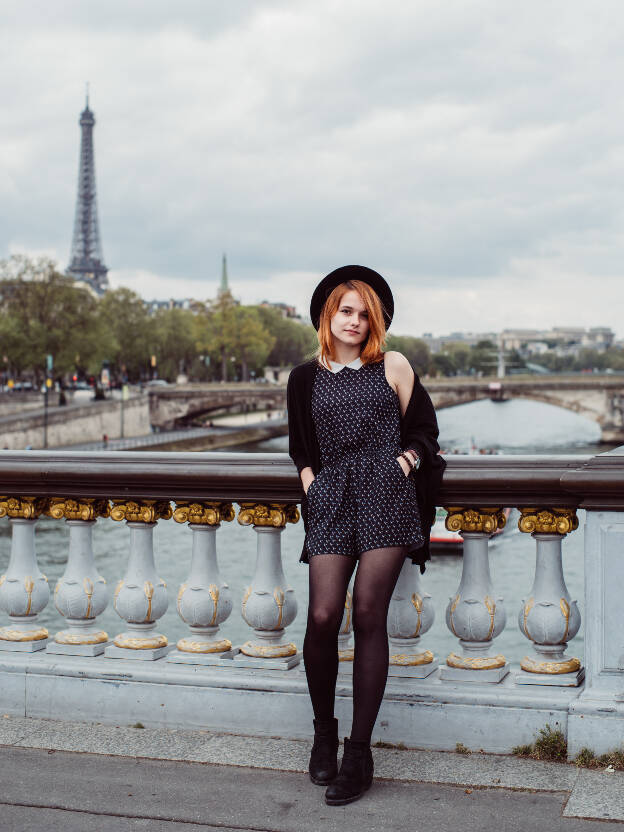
(341, 275)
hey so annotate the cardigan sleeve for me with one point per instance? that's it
(297, 447)
(421, 425)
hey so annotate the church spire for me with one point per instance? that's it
(224, 278)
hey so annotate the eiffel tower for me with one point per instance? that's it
(87, 263)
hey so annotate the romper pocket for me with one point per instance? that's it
(309, 491)
(401, 471)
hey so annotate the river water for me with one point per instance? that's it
(515, 426)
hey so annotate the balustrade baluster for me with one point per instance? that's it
(204, 600)
(81, 594)
(548, 617)
(345, 651)
(268, 606)
(410, 615)
(473, 615)
(24, 590)
(141, 596)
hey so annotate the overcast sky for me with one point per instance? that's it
(472, 152)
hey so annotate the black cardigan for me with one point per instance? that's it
(419, 430)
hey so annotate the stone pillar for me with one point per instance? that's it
(24, 590)
(473, 614)
(141, 596)
(596, 714)
(204, 600)
(345, 651)
(268, 604)
(549, 618)
(410, 615)
(81, 594)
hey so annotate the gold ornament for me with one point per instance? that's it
(412, 659)
(268, 514)
(204, 513)
(147, 643)
(27, 507)
(417, 603)
(269, 651)
(141, 511)
(190, 645)
(349, 610)
(83, 509)
(476, 663)
(64, 637)
(548, 520)
(13, 634)
(486, 520)
(554, 668)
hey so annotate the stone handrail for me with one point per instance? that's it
(203, 490)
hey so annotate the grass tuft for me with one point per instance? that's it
(550, 745)
(382, 744)
(138, 725)
(460, 748)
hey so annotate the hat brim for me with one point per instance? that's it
(341, 275)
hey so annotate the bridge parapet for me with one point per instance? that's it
(256, 686)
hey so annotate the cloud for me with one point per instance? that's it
(469, 151)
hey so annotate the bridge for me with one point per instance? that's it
(598, 398)
(180, 405)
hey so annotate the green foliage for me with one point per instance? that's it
(414, 349)
(293, 341)
(587, 759)
(549, 745)
(400, 746)
(42, 312)
(460, 748)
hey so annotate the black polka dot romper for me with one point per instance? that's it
(361, 498)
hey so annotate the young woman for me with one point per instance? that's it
(363, 436)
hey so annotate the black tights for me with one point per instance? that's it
(375, 579)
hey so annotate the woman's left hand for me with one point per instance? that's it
(404, 465)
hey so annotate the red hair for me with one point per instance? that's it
(372, 349)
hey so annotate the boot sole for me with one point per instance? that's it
(345, 800)
(318, 782)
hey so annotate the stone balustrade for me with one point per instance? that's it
(209, 491)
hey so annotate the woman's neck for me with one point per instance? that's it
(344, 354)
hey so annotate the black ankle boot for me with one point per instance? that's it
(355, 775)
(323, 759)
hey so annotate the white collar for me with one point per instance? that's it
(335, 367)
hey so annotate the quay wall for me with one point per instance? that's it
(75, 424)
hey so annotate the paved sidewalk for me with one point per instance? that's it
(127, 778)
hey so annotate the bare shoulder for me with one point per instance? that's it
(399, 371)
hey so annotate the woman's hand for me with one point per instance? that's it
(404, 464)
(307, 477)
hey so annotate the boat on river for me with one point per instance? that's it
(443, 541)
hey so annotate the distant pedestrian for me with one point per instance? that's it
(363, 436)
(105, 441)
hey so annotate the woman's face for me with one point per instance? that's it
(350, 323)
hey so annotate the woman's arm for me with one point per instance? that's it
(296, 445)
(400, 376)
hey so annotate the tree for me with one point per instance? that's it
(414, 349)
(171, 337)
(251, 341)
(127, 323)
(294, 341)
(43, 312)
